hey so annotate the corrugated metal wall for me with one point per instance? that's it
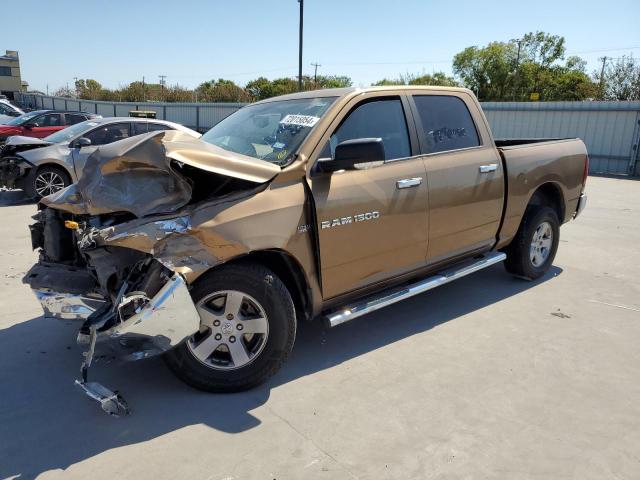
(611, 130)
(199, 116)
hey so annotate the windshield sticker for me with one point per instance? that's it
(278, 146)
(300, 120)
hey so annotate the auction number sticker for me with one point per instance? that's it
(301, 120)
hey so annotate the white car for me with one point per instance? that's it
(8, 111)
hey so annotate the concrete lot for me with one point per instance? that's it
(489, 377)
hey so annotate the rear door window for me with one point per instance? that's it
(156, 127)
(73, 118)
(446, 123)
(140, 127)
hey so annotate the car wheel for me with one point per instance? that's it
(48, 180)
(247, 330)
(534, 247)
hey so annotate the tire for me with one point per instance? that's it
(47, 180)
(534, 247)
(266, 308)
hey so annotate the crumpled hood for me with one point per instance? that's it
(135, 175)
(20, 140)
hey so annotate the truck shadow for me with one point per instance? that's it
(48, 424)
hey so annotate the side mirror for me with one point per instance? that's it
(29, 125)
(352, 152)
(81, 142)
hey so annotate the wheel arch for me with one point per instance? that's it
(549, 194)
(54, 164)
(288, 269)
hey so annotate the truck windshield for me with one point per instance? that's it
(270, 131)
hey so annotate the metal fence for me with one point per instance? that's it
(198, 116)
(611, 130)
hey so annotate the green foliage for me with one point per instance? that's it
(498, 72)
(221, 90)
(437, 78)
(621, 79)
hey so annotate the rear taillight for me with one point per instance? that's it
(585, 174)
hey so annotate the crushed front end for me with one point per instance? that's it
(129, 305)
(118, 247)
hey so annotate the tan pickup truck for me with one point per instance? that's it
(327, 204)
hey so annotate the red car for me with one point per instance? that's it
(42, 123)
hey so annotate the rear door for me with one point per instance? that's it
(370, 227)
(45, 125)
(102, 135)
(464, 172)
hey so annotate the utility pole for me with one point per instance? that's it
(75, 86)
(515, 83)
(604, 63)
(162, 82)
(144, 99)
(315, 73)
(301, 2)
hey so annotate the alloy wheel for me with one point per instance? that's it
(47, 183)
(541, 244)
(233, 330)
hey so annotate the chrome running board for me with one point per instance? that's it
(389, 297)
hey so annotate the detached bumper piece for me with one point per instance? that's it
(132, 328)
(110, 402)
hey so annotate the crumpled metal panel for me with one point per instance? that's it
(131, 175)
(134, 175)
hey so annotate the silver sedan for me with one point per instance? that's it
(41, 167)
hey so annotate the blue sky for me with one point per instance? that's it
(118, 41)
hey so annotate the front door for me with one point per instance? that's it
(372, 220)
(45, 125)
(102, 135)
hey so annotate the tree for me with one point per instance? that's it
(331, 81)
(621, 79)
(488, 71)
(437, 78)
(64, 92)
(88, 89)
(222, 90)
(514, 70)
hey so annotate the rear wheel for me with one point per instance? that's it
(534, 247)
(247, 330)
(48, 180)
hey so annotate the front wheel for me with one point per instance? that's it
(247, 330)
(48, 180)
(534, 247)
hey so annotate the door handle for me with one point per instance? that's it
(488, 168)
(409, 182)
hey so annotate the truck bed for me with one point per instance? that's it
(555, 164)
